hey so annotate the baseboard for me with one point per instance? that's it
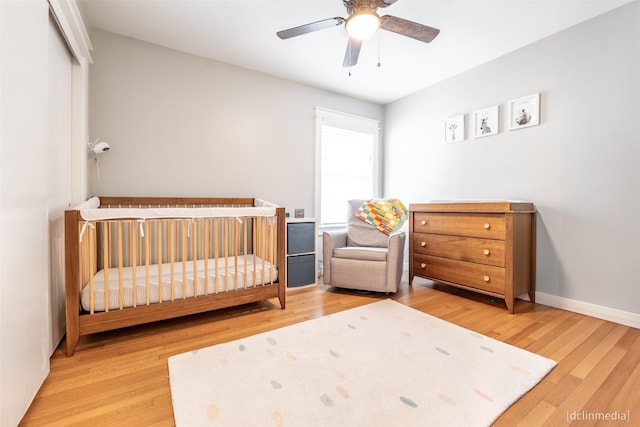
(612, 314)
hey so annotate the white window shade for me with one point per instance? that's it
(347, 148)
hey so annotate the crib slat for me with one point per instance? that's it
(172, 258)
(225, 239)
(254, 245)
(205, 253)
(244, 244)
(120, 261)
(106, 238)
(269, 247)
(235, 253)
(270, 260)
(256, 249)
(263, 240)
(216, 250)
(83, 260)
(147, 261)
(274, 247)
(184, 258)
(159, 257)
(133, 237)
(194, 249)
(265, 253)
(92, 268)
(268, 242)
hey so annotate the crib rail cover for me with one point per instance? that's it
(186, 213)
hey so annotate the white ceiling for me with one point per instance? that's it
(242, 32)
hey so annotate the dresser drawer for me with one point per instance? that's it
(484, 277)
(482, 251)
(487, 226)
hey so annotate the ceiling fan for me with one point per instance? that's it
(363, 22)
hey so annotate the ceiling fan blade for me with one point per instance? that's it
(352, 53)
(308, 28)
(386, 3)
(408, 28)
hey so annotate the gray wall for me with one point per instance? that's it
(581, 166)
(179, 124)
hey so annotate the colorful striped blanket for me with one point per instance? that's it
(386, 215)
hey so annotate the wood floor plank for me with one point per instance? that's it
(579, 353)
(537, 416)
(562, 389)
(611, 334)
(577, 399)
(624, 381)
(121, 377)
(571, 338)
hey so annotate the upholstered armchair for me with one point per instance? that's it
(362, 257)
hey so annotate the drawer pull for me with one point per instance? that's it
(423, 222)
(423, 265)
(485, 278)
(423, 244)
(487, 226)
(486, 252)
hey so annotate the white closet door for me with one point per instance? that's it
(24, 303)
(59, 172)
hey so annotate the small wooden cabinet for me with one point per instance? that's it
(487, 247)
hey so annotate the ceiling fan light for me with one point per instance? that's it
(362, 25)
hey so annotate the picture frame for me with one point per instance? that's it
(524, 112)
(454, 129)
(486, 122)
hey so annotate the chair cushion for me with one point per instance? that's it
(361, 253)
(359, 233)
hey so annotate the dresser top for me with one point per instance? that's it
(473, 206)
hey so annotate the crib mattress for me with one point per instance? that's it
(229, 275)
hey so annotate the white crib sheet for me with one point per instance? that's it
(262, 269)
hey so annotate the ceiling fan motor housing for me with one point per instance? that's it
(355, 6)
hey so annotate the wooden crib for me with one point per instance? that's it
(133, 260)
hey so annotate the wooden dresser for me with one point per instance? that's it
(487, 247)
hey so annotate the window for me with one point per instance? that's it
(347, 165)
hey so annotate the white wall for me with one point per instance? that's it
(24, 233)
(59, 168)
(183, 125)
(580, 166)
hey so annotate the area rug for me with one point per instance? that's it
(382, 364)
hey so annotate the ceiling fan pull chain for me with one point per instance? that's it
(379, 38)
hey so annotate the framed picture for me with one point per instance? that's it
(485, 122)
(524, 112)
(454, 129)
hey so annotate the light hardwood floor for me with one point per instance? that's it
(120, 378)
